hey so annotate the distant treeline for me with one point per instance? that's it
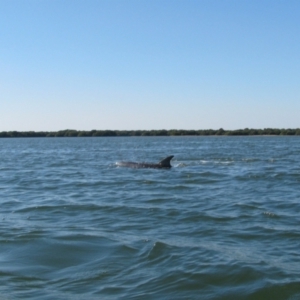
(172, 132)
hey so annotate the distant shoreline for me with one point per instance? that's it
(163, 132)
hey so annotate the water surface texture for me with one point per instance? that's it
(223, 223)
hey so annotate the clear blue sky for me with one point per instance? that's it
(158, 64)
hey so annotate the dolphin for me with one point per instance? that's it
(163, 164)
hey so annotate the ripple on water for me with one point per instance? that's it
(222, 224)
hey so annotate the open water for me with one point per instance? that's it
(223, 223)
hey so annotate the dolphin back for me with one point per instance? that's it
(165, 163)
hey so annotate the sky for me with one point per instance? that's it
(142, 65)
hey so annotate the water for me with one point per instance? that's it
(223, 223)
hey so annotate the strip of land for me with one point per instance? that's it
(172, 132)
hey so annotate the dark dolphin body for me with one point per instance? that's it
(163, 164)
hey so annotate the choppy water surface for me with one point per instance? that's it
(223, 223)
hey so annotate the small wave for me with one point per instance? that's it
(159, 251)
(180, 165)
(269, 214)
(250, 159)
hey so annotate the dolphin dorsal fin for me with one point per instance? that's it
(165, 163)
